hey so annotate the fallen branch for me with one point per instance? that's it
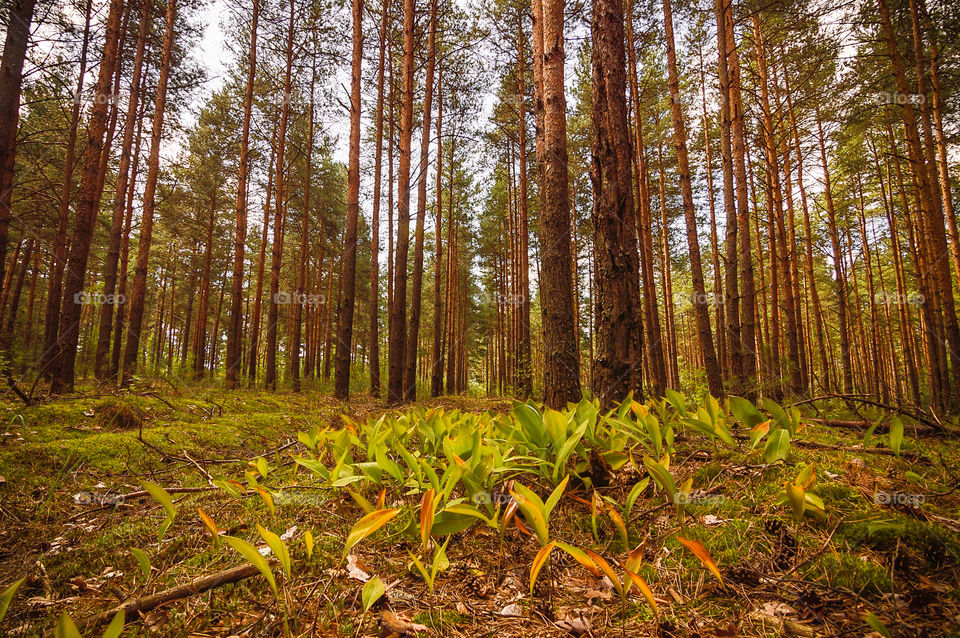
(194, 587)
(918, 415)
(813, 445)
(864, 425)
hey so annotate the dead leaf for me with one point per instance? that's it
(513, 609)
(778, 609)
(357, 569)
(592, 594)
(393, 625)
(576, 626)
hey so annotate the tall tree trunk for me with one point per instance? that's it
(349, 260)
(717, 300)
(436, 376)
(561, 377)
(375, 220)
(88, 205)
(841, 284)
(101, 365)
(300, 303)
(525, 386)
(261, 266)
(149, 205)
(57, 264)
(279, 219)
(416, 300)
(654, 338)
(702, 310)
(618, 359)
(398, 324)
(234, 341)
(11, 79)
(749, 343)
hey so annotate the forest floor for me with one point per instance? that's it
(71, 470)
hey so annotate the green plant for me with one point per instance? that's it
(162, 497)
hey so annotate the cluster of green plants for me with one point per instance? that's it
(446, 471)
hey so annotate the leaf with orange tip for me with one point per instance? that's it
(634, 558)
(426, 516)
(701, 553)
(580, 556)
(367, 526)
(265, 495)
(538, 562)
(214, 532)
(644, 589)
(521, 526)
(381, 498)
(604, 566)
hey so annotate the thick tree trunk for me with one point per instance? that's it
(561, 377)
(618, 360)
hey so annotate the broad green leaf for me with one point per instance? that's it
(877, 625)
(896, 435)
(8, 595)
(262, 466)
(808, 476)
(661, 475)
(795, 494)
(745, 412)
(757, 433)
(778, 413)
(277, 546)
(144, 562)
(66, 628)
(677, 401)
(367, 526)
(373, 589)
(162, 497)
(634, 495)
(229, 488)
(250, 552)
(115, 628)
(554, 497)
(265, 495)
(778, 446)
(308, 543)
(533, 509)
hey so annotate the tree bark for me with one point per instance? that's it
(702, 310)
(616, 280)
(561, 370)
(88, 205)
(349, 260)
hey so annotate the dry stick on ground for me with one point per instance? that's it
(919, 416)
(196, 586)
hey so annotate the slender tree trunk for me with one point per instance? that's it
(669, 307)
(300, 303)
(88, 205)
(11, 79)
(55, 276)
(525, 385)
(349, 259)
(234, 341)
(436, 376)
(837, 269)
(416, 299)
(749, 343)
(149, 204)
(717, 300)
(398, 324)
(375, 221)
